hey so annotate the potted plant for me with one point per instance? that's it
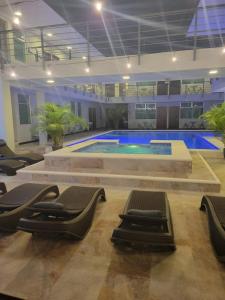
(55, 120)
(215, 119)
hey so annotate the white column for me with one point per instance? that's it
(6, 114)
(40, 96)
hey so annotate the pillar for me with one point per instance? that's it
(40, 96)
(6, 114)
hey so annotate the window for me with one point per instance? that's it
(79, 110)
(191, 110)
(24, 109)
(73, 107)
(145, 111)
(19, 46)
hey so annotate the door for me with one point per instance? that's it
(92, 118)
(173, 117)
(161, 122)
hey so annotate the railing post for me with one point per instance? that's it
(88, 44)
(195, 36)
(42, 48)
(139, 43)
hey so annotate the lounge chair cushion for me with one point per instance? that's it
(137, 216)
(53, 209)
(156, 214)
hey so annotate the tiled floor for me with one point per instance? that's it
(93, 269)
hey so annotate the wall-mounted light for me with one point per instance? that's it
(126, 77)
(49, 34)
(213, 71)
(174, 59)
(84, 57)
(129, 65)
(13, 74)
(49, 72)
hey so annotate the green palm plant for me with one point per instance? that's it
(215, 119)
(55, 120)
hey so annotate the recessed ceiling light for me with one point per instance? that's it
(128, 65)
(84, 57)
(98, 6)
(87, 70)
(213, 71)
(174, 58)
(13, 74)
(223, 50)
(18, 13)
(49, 73)
(49, 34)
(50, 81)
(126, 77)
(69, 47)
(16, 21)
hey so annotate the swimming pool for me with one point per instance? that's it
(192, 139)
(99, 147)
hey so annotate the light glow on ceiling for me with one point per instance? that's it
(49, 73)
(174, 59)
(13, 74)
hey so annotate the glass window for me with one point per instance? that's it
(145, 111)
(186, 104)
(24, 109)
(197, 109)
(186, 113)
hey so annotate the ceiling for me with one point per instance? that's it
(163, 24)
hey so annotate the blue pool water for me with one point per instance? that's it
(164, 148)
(192, 139)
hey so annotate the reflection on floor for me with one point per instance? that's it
(93, 269)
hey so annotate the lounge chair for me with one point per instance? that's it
(7, 153)
(146, 222)
(10, 166)
(3, 189)
(215, 208)
(70, 215)
(14, 202)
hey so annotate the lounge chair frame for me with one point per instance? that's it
(3, 188)
(9, 219)
(158, 241)
(75, 228)
(216, 231)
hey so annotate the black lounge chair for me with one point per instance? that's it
(70, 215)
(10, 166)
(14, 202)
(29, 158)
(3, 188)
(215, 208)
(146, 222)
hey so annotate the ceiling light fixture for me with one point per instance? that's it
(174, 58)
(213, 71)
(18, 13)
(223, 50)
(84, 57)
(16, 21)
(69, 47)
(87, 70)
(126, 77)
(50, 81)
(98, 6)
(128, 65)
(49, 34)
